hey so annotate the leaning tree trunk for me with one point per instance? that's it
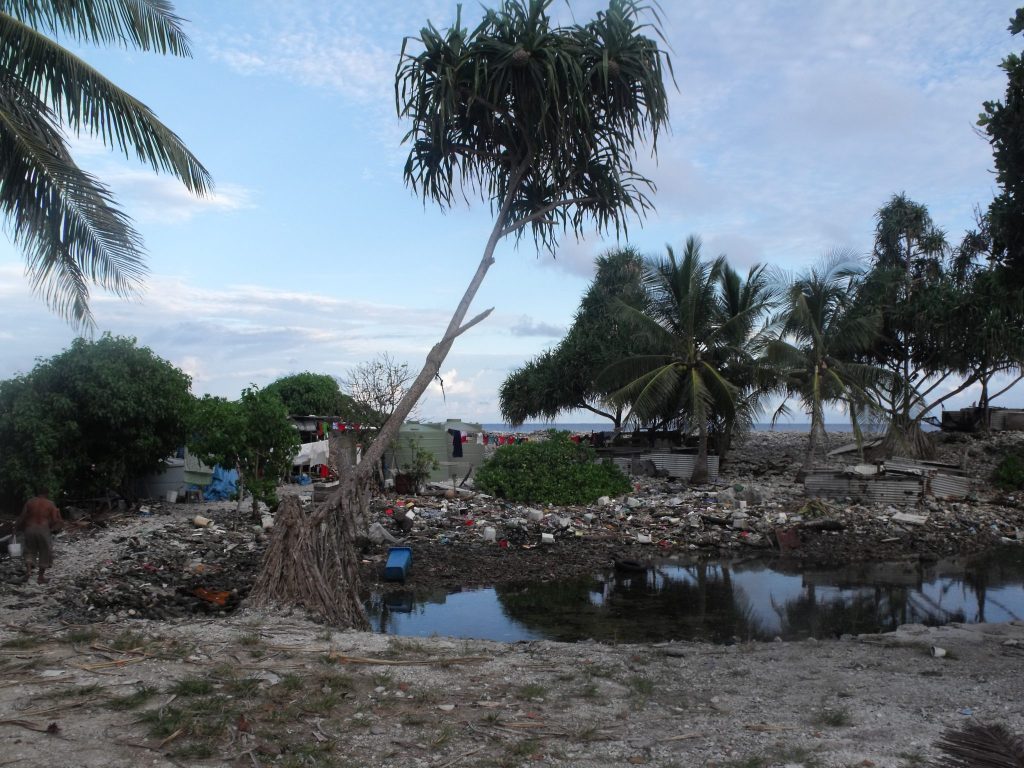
(700, 468)
(311, 559)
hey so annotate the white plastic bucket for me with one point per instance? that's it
(172, 497)
(14, 548)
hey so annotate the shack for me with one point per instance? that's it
(456, 446)
(973, 420)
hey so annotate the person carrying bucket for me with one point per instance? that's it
(38, 519)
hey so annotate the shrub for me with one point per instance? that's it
(552, 471)
(1009, 474)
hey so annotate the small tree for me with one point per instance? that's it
(378, 386)
(909, 287)
(252, 434)
(91, 419)
(544, 123)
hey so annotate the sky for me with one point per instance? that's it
(792, 123)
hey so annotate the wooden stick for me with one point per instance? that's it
(460, 758)
(171, 738)
(51, 728)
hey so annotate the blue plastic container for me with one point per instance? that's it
(399, 562)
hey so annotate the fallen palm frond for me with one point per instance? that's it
(979, 745)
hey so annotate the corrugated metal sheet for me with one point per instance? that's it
(830, 485)
(891, 490)
(885, 490)
(901, 464)
(681, 464)
(943, 486)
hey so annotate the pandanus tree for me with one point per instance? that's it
(63, 218)
(820, 331)
(567, 377)
(684, 319)
(930, 315)
(542, 121)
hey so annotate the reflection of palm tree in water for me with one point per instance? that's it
(693, 602)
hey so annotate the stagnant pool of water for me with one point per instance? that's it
(719, 601)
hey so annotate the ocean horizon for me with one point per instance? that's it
(605, 426)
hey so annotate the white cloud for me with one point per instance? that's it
(163, 198)
(527, 326)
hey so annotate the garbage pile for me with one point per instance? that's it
(663, 517)
(181, 567)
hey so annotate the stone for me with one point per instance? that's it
(909, 519)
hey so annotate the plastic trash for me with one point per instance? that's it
(378, 534)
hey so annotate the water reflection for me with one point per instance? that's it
(719, 601)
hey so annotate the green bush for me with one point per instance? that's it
(552, 471)
(93, 418)
(1009, 475)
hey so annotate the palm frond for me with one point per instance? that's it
(543, 121)
(61, 216)
(979, 745)
(85, 101)
(150, 25)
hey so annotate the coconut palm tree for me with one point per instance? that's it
(820, 330)
(63, 218)
(744, 302)
(685, 318)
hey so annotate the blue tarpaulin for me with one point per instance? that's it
(223, 485)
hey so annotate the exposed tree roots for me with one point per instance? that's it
(908, 440)
(311, 559)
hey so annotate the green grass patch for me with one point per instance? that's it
(531, 691)
(24, 642)
(641, 686)
(133, 700)
(192, 686)
(833, 717)
(81, 635)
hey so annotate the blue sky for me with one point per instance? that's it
(792, 124)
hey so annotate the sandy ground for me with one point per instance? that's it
(258, 689)
(270, 689)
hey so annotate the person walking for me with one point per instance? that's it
(39, 518)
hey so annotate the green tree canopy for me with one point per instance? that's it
(1003, 122)
(318, 394)
(92, 418)
(64, 219)
(252, 434)
(566, 378)
(916, 284)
